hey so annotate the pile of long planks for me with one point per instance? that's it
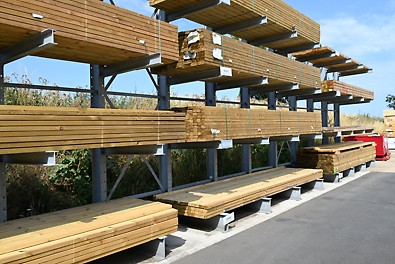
(86, 233)
(336, 158)
(281, 19)
(203, 50)
(216, 123)
(346, 89)
(25, 129)
(88, 31)
(208, 200)
(389, 121)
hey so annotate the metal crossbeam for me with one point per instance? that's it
(201, 76)
(280, 37)
(123, 171)
(332, 63)
(40, 158)
(243, 25)
(253, 141)
(137, 150)
(346, 68)
(243, 83)
(29, 46)
(202, 5)
(298, 48)
(319, 56)
(320, 96)
(356, 101)
(220, 144)
(274, 88)
(356, 72)
(132, 65)
(342, 98)
(298, 92)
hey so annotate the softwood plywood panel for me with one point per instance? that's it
(87, 30)
(208, 200)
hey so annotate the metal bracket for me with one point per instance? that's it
(312, 137)
(263, 206)
(346, 68)
(275, 88)
(294, 138)
(332, 63)
(316, 185)
(356, 101)
(295, 193)
(263, 41)
(201, 76)
(223, 221)
(329, 54)
(202, 5)
(132, 65)
(47, 158)
(298, 48)
(252, 141)
(243, 83)
(157, 150)
(29, 46)
(299, 92)
(242, 25)
(333, 177)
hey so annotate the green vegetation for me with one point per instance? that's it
(390, 99)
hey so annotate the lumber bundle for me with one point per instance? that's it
(389, 120)
(208, 200)
(198, 53)
(347, 130)
(346, 89)
(86, 233)
(215, 123)
(87, 31)
(335, 158)
(281, 17)
(25, 129)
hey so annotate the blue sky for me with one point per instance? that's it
(361, 29)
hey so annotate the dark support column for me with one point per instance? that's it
(310, 108)
(273, 162)
(324, 116)
(1, 84)
(293, 106)
(336, 108)
(246, 148)
(99, 160)
(3, 190)
(165, 171)
(211, 153)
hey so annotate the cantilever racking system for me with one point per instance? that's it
(258, 25)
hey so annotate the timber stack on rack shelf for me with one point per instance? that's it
(338, 157)
(211, 199)
(86, 233)
(88, 31)
(25, 129)
(276, 19)
(202, 50)
(389, 121)
(346, 89)
(215, 123)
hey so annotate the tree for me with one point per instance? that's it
(391, 101)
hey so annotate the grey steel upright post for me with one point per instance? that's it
(324, 116)
(336, 108)
(3, 190)
(246, 148)
(310, 108)
(293, 105)
(211, 153)
(273, 162)
(99, 160)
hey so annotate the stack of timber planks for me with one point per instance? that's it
(335, 158)
(346, 89)
(25, 129)
(215, 123)
(203, 50)
(281, 19)
(389, 120)
(86, 233)
(88, 31)
(208, 200)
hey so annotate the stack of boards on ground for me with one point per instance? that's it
(346, 89)
(208, 200)
(25, 129)
(203, 50)
(336, 158)
(88, 31)
(389, 120)
(280, 20)
(214, 123)
(86, 233)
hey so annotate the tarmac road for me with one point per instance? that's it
(353, 224)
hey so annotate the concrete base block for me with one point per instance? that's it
(316, 185)
(294, 194)
(372, 163)
(333, 177)
(361, 167)
(263, 206)
(222, 221)
(350, 172)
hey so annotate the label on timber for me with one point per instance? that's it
(188, 55)
(217, 54)
(193, 37)
(217, 39)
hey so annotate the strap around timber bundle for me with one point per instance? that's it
(253, 5)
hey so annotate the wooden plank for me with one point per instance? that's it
(346, 89)
(208, 200)
(88, 31)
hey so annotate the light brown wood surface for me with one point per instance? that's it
(208, 200)
(88, 31)
(82, 234)
(346, 89)
(389, 122)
